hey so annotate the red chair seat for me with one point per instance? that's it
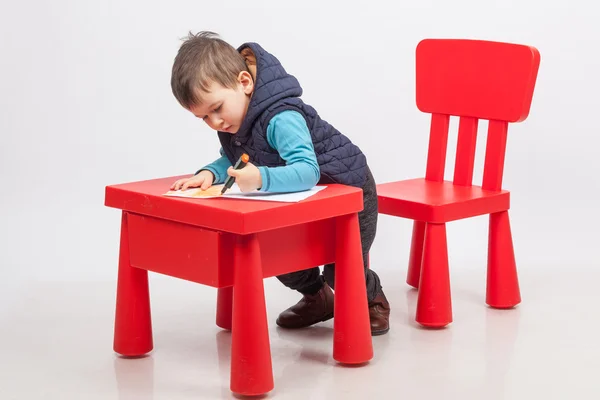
(438, 202)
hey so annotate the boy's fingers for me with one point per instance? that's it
(233, 172)
(205, 184)
(194, 182)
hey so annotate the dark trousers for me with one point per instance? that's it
(310, 281)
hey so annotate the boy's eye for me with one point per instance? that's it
(218, 108)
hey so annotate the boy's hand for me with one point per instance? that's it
(247, 178)
(203, 180)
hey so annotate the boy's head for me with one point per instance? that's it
(211, 79)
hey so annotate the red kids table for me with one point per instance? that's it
(233, 245)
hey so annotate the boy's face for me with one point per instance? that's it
(224, 109)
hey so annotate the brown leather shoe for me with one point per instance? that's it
(308, 311)
(379, 314)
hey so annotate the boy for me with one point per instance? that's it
(254, 104)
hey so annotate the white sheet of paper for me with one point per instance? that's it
(235, 193)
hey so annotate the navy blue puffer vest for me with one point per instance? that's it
(275, 90)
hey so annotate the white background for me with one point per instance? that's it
(85, 101)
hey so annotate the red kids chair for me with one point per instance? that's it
(473, 80)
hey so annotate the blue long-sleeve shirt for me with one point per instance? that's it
(287, 133)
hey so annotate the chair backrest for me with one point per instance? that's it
(473, 79)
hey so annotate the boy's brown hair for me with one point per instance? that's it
(202, 59)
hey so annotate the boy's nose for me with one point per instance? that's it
(217, 122)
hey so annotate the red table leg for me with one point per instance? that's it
(502, 280)
(434, 304)
(224, 307)
(416, 254)
(133, 326)
(352, 343)
(251, 369)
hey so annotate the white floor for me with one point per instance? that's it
(56, 343)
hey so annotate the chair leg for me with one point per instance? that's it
(434, 305)
(502, 280)
(224, 307)
(133, 326)
(251, 368)
(416, 254)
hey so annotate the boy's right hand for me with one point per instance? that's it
(203, 180)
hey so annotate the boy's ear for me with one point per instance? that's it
(246, 81)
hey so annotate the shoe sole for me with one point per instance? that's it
(379, 333)
(327, 318)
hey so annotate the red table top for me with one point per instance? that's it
(228, 214)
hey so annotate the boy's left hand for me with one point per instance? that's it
(247, 178)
